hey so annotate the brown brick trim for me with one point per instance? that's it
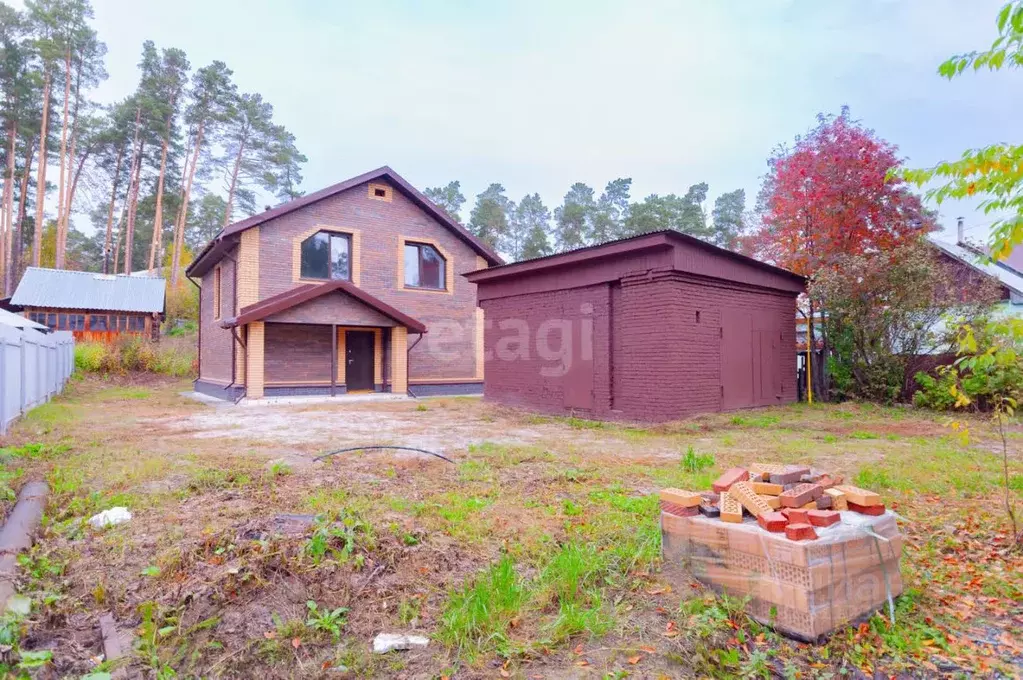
(374, 187)
(449, 266)
(355, 241)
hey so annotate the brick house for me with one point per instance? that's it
(654, 327)
(354, 287)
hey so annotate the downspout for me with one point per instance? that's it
(198, 354)
(241, 343)
(408, 366)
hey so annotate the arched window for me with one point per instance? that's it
(327, 255)
(424, 267)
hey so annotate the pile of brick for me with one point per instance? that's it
(809, 552)
(789, 499)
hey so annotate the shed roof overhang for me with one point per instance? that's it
(310, 291)
(635, 244)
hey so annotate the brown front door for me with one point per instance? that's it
(358, 360)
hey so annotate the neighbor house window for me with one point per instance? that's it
(326, 255)
(136, 323)
(76, 322)
(424, 267)
(97, 322)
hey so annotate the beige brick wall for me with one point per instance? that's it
(480, 352)
(399, 360)
(248, 269)
(378, 356)
(254, 362)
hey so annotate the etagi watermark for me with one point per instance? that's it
(556, 341)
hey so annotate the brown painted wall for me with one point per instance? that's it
(658, 346)
(448, 350)
(297, 353)
(216, 344)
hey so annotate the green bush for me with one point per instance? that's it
(935, 392)
(134, 354)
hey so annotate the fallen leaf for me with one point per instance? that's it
(582, 662)
(505, 674)
(578, 649)
(270, 634)
(648, 649)
(635, 659)
(296, 643)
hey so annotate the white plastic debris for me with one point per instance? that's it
(389, 642)
(19, 604)
(109, 518)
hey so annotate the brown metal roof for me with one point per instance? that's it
(211, 254)
(653, 239)
(311, 291)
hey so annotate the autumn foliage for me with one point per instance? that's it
(830, 196)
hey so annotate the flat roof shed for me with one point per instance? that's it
(654, 327)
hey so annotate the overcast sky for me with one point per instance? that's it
(538, 95)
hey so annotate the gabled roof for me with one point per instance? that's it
(311, 291)
(662, 238)
(65, 289)
(971, 258)
(214, 250)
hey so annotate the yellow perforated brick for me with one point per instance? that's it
(686, 499)
(731, 510)
(743, 492)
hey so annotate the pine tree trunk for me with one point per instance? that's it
(179, 233)
(37, 232)
(234, 183)
(133, 204)
(26, 173)
(8, 204)
(136, 163)
(110, 213)
(154, 245)
(60, 244)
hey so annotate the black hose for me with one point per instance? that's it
(370, 448)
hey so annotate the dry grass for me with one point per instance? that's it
(536, 554)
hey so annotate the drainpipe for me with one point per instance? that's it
(237, 338)
(199, 349)
(959, 231)
(408, 366)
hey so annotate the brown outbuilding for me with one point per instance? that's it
(654, 327)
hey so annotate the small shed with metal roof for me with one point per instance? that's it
(654, 327)
(95, 307)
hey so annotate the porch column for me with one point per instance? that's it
(399, 360)
(254, 361)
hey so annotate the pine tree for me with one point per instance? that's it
(529, 228)
(574, 218)
(611, 212)
(489, 217)
(728, 217)
(211, 95)
(448, 198)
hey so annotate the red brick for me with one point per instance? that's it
(791, 475)
(874, 510)
(679, 510)
(823, 518)
(773, 521)
(725, 481)
(796, 516)
(825, 502)
(800, 532)
(800, 495)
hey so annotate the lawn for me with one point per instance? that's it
(535, 554)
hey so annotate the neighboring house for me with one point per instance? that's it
(320, 296)
(972, 265)
(94, 307)
(654, 327)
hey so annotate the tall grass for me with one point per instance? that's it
(135, 354)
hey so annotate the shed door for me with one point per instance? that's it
(577, 383)
(737, 352)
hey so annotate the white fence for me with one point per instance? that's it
(34, 366)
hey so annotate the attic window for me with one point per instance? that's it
(380, 192)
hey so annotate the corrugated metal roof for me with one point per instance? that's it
(64, 289)
(18, 321)
(1007, 277)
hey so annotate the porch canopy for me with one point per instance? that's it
(324, 338)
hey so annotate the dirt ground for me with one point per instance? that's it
(536, 554)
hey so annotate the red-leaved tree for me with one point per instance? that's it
(829, 197)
